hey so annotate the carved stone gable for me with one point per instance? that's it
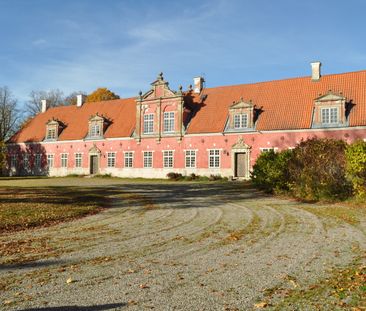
(240, 144)
(330, 96)
(94, 150)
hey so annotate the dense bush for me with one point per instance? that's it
(356, 167)
(270, 171)
(174, 176)
(317, 169)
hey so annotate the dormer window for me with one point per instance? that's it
(242, 116)
(240, 121)
(53, 129)
(97, 126)
(148, 123)
(330, 111)
(329, 115)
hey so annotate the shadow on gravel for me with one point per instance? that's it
(33, 264)
(81, 308)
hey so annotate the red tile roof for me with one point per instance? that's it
(286, 104)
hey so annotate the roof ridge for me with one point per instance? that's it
(283, 80)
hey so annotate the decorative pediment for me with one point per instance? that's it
(94, 150)
(159, 88)
(330, 96)
(240, 144)
(96, 118)
(242, 104)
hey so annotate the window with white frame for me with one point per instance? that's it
(51, 133)
(148, 123)
(95, 130)
(268, 149)
(13, 161)
(148, 159)
(214, 158)
(241, 121)
(168, 158)
(168, 121)
(37, 161)
(329, 115)
(78, 159)
(111, 159)
(64, 157)
(50, 160)
(129, 159)
(190, 158)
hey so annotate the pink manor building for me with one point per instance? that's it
(204, 131)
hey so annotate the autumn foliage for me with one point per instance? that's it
(101, 94)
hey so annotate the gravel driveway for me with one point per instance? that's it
(180, 246)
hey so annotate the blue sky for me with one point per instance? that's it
(77, 45)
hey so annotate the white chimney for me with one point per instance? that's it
(198, 84)
(315, 71)
(80, 100)
(43, 105)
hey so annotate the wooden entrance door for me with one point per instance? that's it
(93, 164)
(241, 164)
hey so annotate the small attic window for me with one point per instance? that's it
(53, 129)
(97, 126)
(240, 121)
(329, 115)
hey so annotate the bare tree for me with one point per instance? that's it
(71, 98)
(54, 98)
(9, 114)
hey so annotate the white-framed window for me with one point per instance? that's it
(37, 161)
(50, 160)
(329, 115)
(241, 121)
(26, 161)
(267, 149)
(64, 158)
(190, 158)
(95, 130)
(78, 159)
(214, 158)
(148, 123)
(168, 121)
(129, 159)
(168, 158)
(148, 159)
(13, 161)
(51, 133)
(111, 159)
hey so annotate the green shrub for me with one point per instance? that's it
(270, 172)
(174, 176)
(317, 169)
(356, 167)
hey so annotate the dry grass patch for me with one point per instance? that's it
(22, 208)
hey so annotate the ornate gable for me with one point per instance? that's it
(241, 104)
(159, 89)
(54, 128)
(240, 144)
(241, 117)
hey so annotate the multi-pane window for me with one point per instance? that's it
(148, 158)
(214, 158)
(190, 158)
(148, 123)
(64, 159)
(241, 121)
(78, 159)
(95, 130)
(168, 122)
(50, 160)
(26, 162)
(129, 159)
(111, 159)
(51, 133)
(13, 161)
(268, 149)
(329, 115)
(168, 158)
(37, 161)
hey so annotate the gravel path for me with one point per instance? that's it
(179, 247)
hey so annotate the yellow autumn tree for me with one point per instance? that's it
(101, 94)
